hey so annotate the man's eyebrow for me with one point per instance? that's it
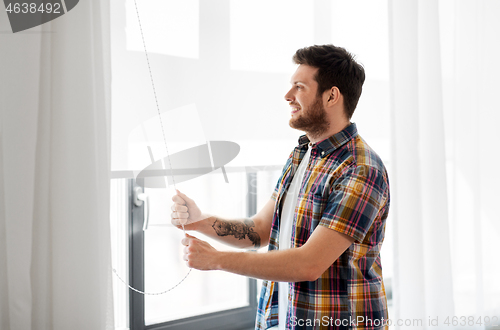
(297, 82)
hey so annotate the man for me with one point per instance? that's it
(325, 221)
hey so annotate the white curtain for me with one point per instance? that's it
(54, 173)
(444, 92)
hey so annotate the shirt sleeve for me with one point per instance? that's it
(355, 201)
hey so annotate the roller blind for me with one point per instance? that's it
(221, 70)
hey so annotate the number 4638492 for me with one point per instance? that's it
(32, 8)
(471, 321)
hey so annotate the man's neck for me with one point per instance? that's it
(334, 129)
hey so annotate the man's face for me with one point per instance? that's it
(307, 110)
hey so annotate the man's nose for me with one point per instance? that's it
(289, 96)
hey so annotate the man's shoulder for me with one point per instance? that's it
(364, 155)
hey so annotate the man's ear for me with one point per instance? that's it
(333, 96)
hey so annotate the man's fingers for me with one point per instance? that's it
(179, 215)
(177, 199)
(184, 197)
(176, 223)
(187, 239)
(179, 208)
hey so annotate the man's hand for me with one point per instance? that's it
(185, 212)
(199, 254)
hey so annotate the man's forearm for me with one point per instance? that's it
(291, 265)
(241, 233)
(304, 263)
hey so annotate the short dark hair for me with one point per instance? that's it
(336, 67)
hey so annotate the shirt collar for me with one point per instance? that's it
(334, 142)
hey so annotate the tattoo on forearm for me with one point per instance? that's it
(238, 229)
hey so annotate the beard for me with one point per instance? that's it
(312, 120)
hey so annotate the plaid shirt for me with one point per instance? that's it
(345, 188)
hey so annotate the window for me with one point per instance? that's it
(220, 70)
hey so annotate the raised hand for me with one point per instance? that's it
(185, 212)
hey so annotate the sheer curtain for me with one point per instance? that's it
(444, 84)
(54, 173)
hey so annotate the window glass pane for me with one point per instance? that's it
(170, 27)
(265, 34)
(364, 32)
(201, 292)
